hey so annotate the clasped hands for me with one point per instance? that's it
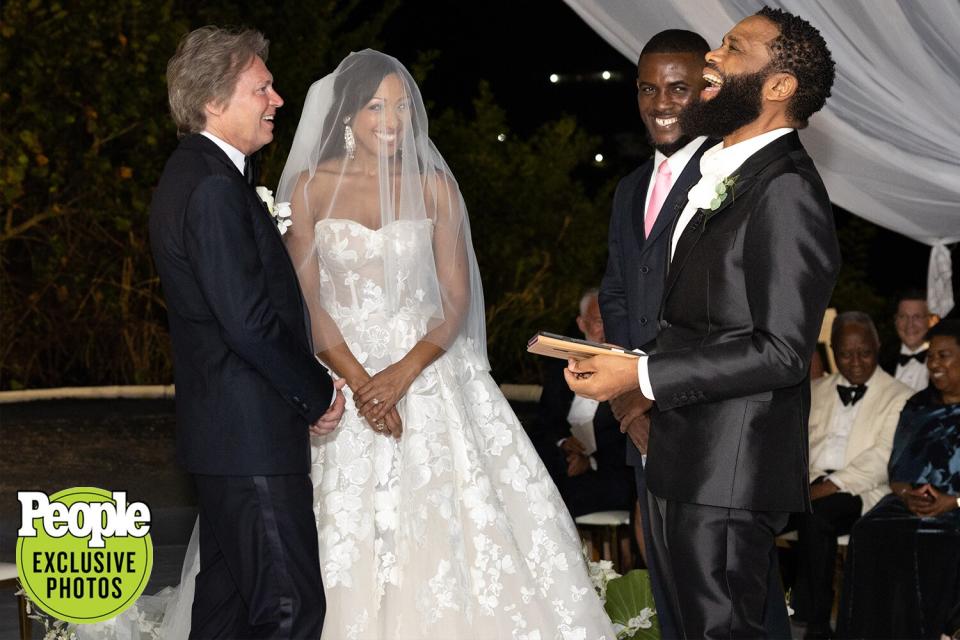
(927, 501)
(614, 378)
(376, 397)
(331, 417)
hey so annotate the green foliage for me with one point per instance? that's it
(85, 135)
(540, 237)
(627, 599)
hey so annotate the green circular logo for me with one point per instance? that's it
(83, 554)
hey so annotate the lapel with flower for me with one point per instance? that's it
(736, 185)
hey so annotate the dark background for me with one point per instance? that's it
(86, 133)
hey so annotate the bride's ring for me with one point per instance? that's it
(381, 425)
(375, 401)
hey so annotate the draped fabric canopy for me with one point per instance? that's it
(888, 141)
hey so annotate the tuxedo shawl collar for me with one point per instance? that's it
(747, 176)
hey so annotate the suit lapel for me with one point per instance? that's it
(639, 199)
(677, 198)
(746, 177)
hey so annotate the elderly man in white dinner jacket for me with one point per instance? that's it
(853, 416)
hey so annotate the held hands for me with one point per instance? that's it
(601, 377)
(331, 417)
(927, 501)
(822, 488)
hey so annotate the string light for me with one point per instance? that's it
(554, 78)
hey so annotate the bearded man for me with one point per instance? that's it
(753, 261)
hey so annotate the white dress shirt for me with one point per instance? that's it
(834, 451)
(914, 374)
(580, 418)
(677, 163)
(716, 164)
(237, 157)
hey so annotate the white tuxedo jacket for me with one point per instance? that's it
(864, 472)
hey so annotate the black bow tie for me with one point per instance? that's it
(851, 395)
(919, 356)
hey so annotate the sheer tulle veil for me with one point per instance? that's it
(362, 156)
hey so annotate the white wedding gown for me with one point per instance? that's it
(454, 531)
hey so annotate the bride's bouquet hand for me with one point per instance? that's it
(381, 393)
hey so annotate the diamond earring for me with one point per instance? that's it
(349, 142)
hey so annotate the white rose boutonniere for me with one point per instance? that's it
(711, 191)
(279, 211)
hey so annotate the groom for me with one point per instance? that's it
(248, 385)
(752, 263)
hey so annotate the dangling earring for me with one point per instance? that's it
(349, 142)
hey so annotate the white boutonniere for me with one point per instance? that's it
(279, 211)
(712, 191)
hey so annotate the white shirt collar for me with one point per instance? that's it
(678, 161)
(721, 161)
(237, 157)
(907, 351)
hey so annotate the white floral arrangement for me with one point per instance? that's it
(628, 600)
(279, 211)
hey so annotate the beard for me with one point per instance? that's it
(737, 104)
(670, 148)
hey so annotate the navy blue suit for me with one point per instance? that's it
(248, 387)
(631, 292)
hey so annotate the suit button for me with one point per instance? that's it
(664, 324)
(643, 321)
(644, 269)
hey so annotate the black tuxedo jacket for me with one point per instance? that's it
(743, 303)
(632, 287)
(247, 383)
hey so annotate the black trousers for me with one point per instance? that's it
(719, 569)
(259, 561)
(817, 533)
(668, 628)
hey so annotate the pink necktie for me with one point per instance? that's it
(660, 190)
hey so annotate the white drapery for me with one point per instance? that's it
(888, 141)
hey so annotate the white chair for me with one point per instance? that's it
(8, 578)
(608, 524)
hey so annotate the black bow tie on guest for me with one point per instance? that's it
(851, 395)
(919, 356)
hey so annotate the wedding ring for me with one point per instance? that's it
(375, 401)
(381, 425)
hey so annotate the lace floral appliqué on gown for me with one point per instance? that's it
(455, 530)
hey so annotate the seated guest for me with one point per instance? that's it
(912, 320)
(579, 440)
(853, 414)
(903, 563)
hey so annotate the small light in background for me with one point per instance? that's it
(501, 137)
(598, 158)
(606, 75)
(554, 78)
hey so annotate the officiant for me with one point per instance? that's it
(578, 439)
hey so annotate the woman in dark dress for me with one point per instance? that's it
(903, 566)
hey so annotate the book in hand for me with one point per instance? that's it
(557, 346)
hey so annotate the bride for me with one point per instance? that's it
(436, 517)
